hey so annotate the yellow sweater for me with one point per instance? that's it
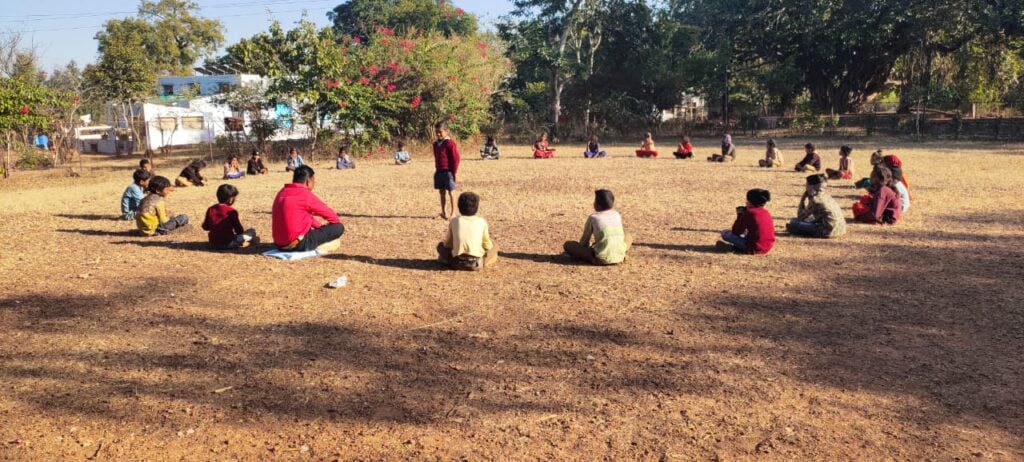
(469, 236)
(152, 213)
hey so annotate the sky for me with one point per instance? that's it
(63, 30)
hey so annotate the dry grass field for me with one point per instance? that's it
(902, 342)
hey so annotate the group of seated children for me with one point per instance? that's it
(888, 191)
(541, 150)
(811, 162)
(490, 149)
(685, 149)
(647, 149)
(728, 151)
(772, 156)
(594, 150)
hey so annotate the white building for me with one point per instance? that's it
(691, 108)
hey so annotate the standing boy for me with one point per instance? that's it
(446, 166)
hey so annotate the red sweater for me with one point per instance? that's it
(446, 155)
(223, 224)
(759, 228)
(293, 213)
(886, 206)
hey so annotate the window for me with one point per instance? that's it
(192, 122)
(168, 90)
(166, 123)
(225, 87)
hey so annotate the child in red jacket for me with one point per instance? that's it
(446, 166)
(222, 223)
(753, 232)
(883, 205)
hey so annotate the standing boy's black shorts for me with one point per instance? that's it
(444, 180)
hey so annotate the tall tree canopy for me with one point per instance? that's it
(362, 17)
(171, 32)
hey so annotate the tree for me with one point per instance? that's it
(363, 17)
(170, 31)
(25, 106)
(123, 75)
(252, 99)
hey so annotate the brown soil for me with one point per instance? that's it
(897, 342)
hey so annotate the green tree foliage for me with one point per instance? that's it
(27, 107)
(363, 17)
(171, 32)
(123, 75)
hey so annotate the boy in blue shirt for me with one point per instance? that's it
(134, 193)
(401, 155)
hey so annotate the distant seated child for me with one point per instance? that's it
(604, 227)
(293, 161)
(772, 156)
(192, 175)
(896, 166)
(647, 149)
(819, 215)
(845, 171)
(147, 165)
(224, 228)
(685, 149)
(876, 159)
(753, 232)
(490, 149)
(728, 151)
(401, 155)
(233, 169)
(541, 150)
(882, 205)
(468, 245)
(134, 194)
(343, 161)
(811, 161)
(255, 165)
(153, 217)
(594, 149)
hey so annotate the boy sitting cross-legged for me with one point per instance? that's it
(605, 227)
(224, 228)
(468, 245)
(152, 217)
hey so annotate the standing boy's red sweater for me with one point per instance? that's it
(223, 224)
(759, 228)
(446, 155)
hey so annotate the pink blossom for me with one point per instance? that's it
(391, 87)
(460, 11)
(416, 100)
(364, 80)
(342, 104)
(23, 110)
(357, 39)
(451, 117)
(373, 70)
(481, 46)
(385, 31)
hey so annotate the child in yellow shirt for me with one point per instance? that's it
(468, 245)
(152, 217)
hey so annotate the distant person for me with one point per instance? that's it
(233, 168)
(772, 156)
(446, 166)
(594, 150)
(294, 160)
(845, 170)
(468, 244)
(876, 160)
(685, 149)
(294, 217)
(647, 149)
(753, 232)
(192, 175)
(490, 150)
(819, 215)
(882, 205)
(343, 161)
(255, 165)
(728, 151)
(402, 156)
(134, 194)
(895, 165)
(153, 217)
(541, 150)
(811, 162)
(604, 240)
(224, 229)
(147, 165)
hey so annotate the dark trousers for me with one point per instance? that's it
(172, 224)
(319, 236)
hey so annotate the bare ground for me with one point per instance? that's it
(897, 342)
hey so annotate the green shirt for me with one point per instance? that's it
(609, 237)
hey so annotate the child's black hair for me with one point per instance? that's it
(303, 174)
(845, 150)
(440, 126)
(603, 200)
(226, 194)
(469, 203)
(158, 183)
(198, 164)
(232, 157)
(490, 140)
(809, 146)
(401, 145)
(759, 197)
(144, 162)
(141, 175)
(255, 152)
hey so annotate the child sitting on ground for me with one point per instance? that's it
(468, 245)
(134, 194)
(811, 162)
(255, 165)
(882, 205)
(728, 151)
(541, 149)
(401, 155)
(876, 160)
(594, 149)
(490, 149)
(819, 215)
(605, 227)
(152, 217)
(192, 175)
(294, 160)
(147, 165)
(224, 228)
(685, 149)
(647, 150)
(753, 231)
(845, 171)
(343, 161)
(772, 156)
(233, 169)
